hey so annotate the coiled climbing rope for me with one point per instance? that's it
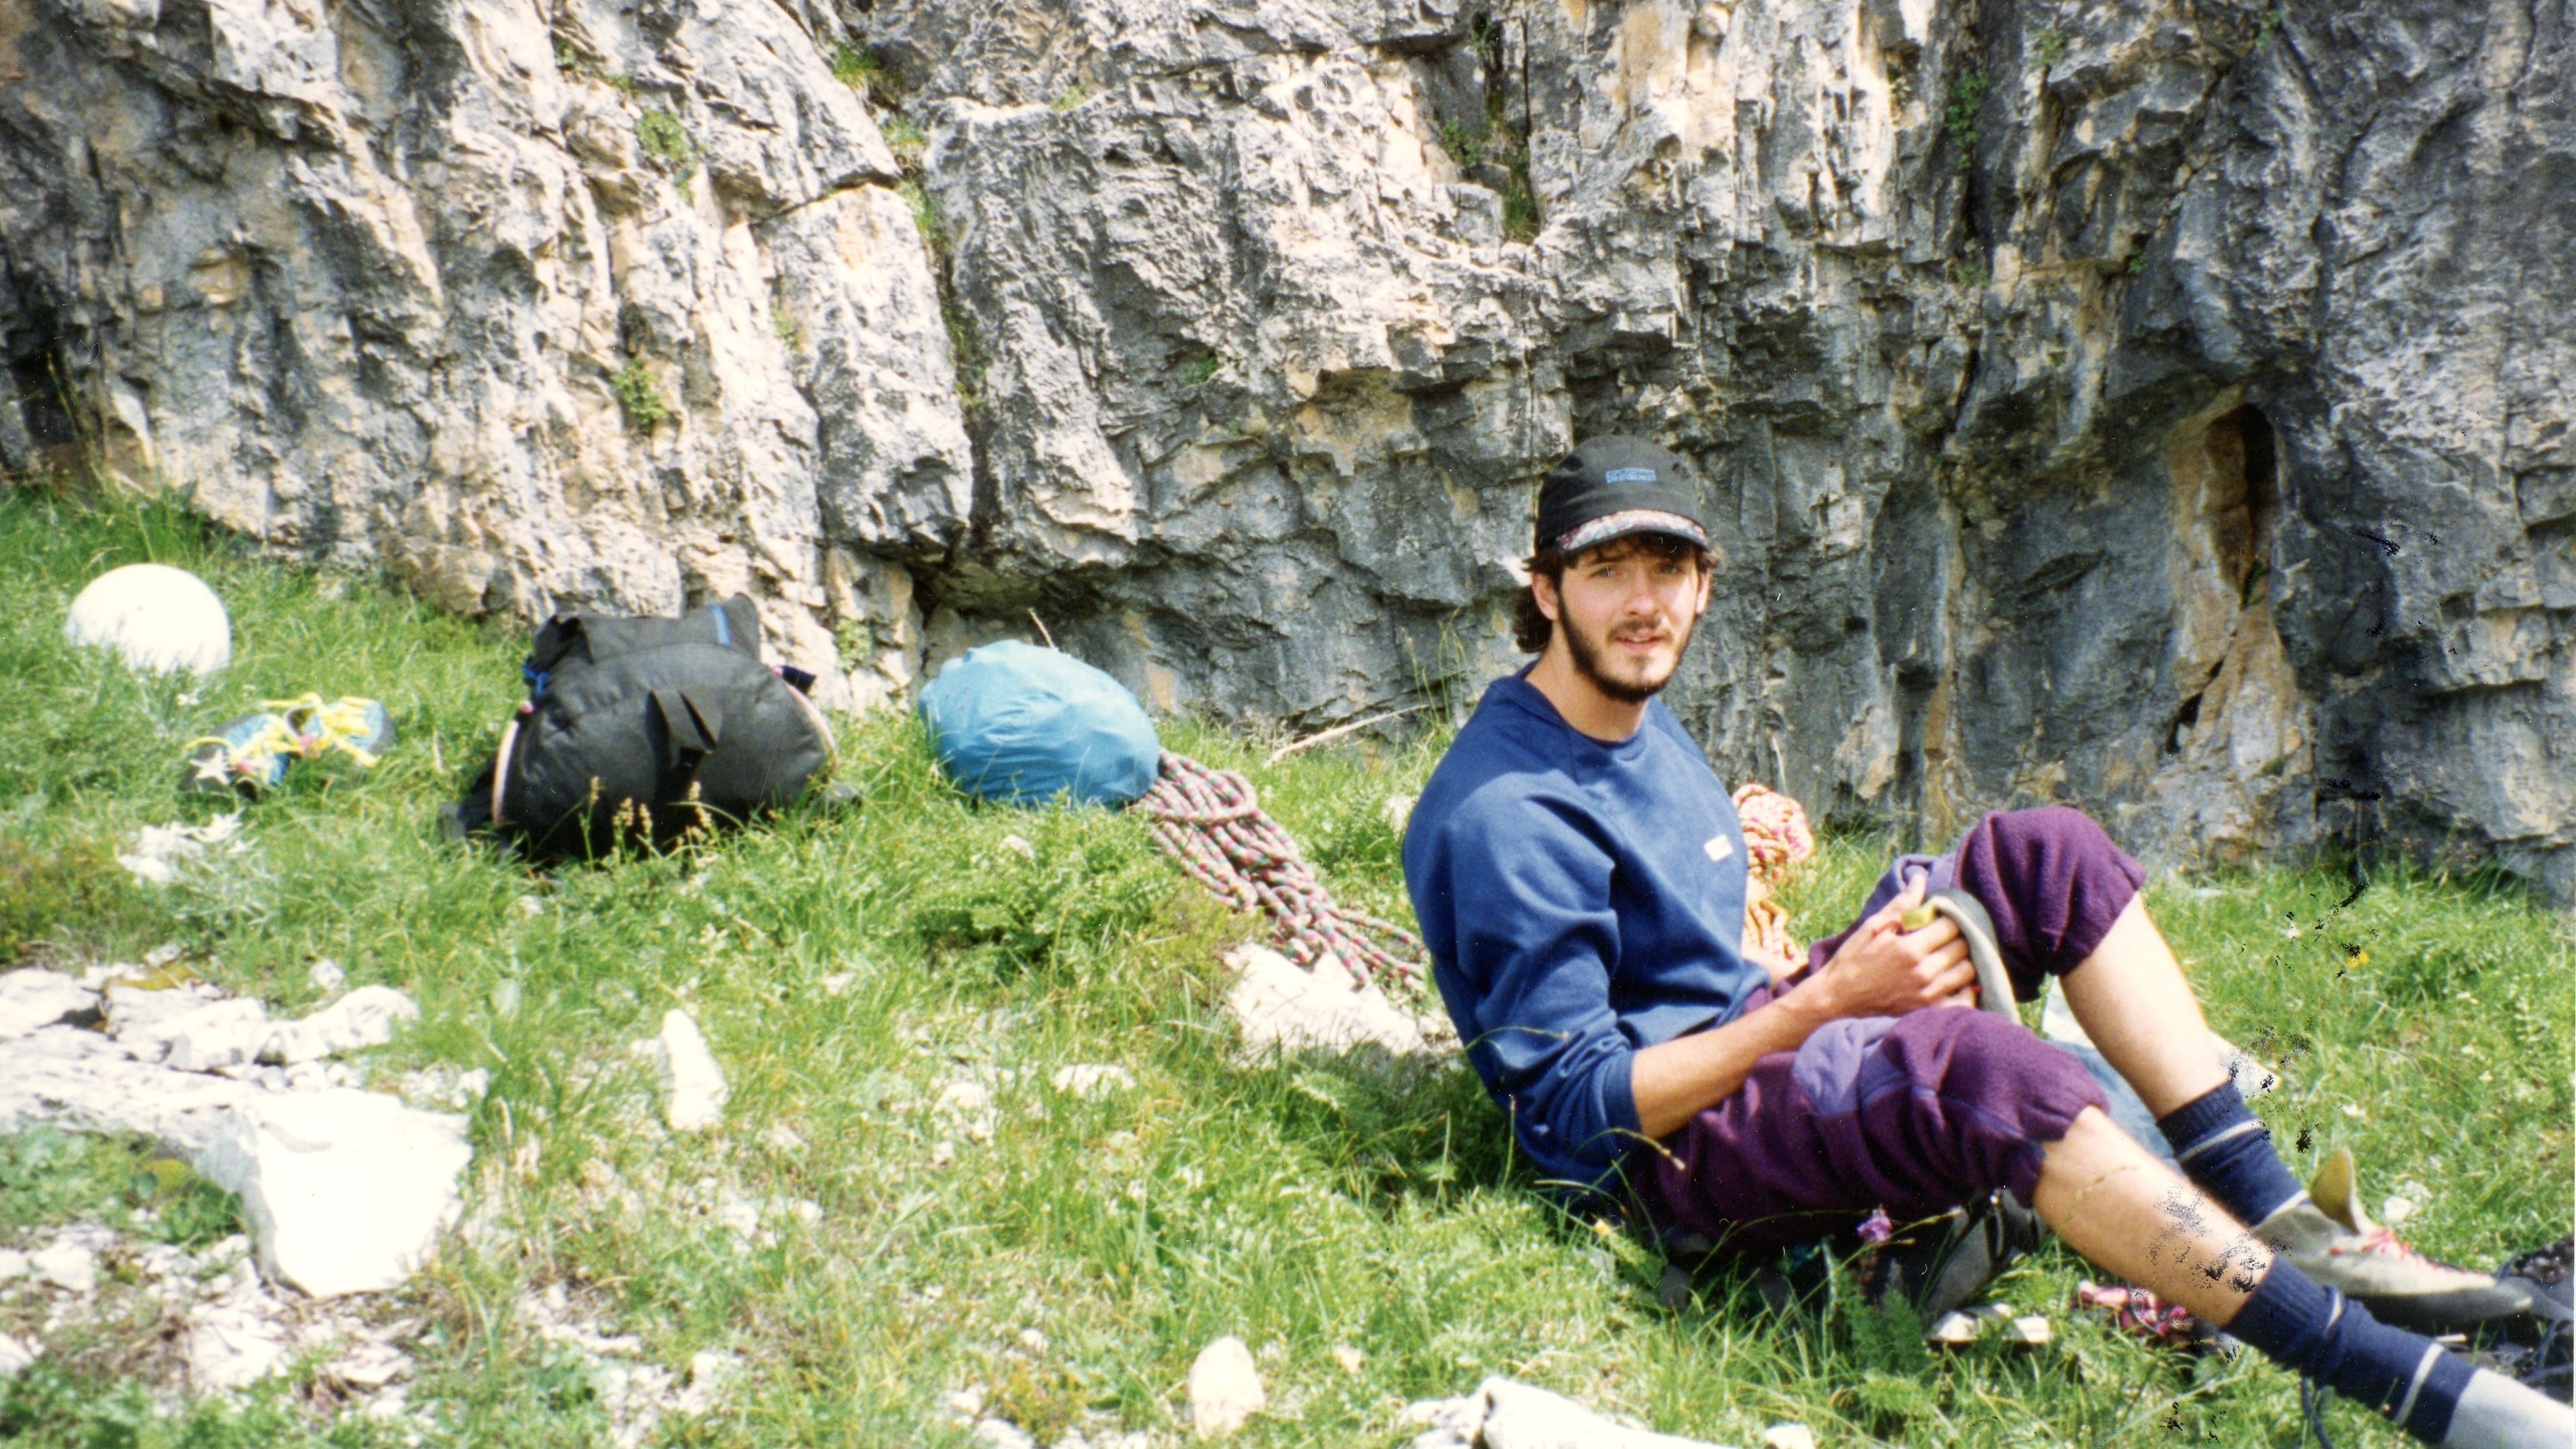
(1776, 837)
(1211, 821)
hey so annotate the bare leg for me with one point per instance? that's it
(2127, 1213)
(2132, 1000)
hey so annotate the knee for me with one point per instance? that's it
(2060, 836)
(2052, 880)
(1991, 1043)
(1984, 1046)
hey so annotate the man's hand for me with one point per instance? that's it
(1882, 969)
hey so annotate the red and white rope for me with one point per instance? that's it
(1211, 821)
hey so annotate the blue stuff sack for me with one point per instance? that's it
(1015, 722)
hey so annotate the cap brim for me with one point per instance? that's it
(1612, 526)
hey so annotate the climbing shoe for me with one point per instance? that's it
(1994, 985)
(250, 754)
(358, 729)
(1941, 1264)
(2536, 1348)
(2328, 1236)
(247, 755)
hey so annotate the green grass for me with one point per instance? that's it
(1305, 1204)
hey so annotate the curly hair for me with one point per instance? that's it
(1531, 629)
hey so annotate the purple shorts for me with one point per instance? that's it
(1919, 1113)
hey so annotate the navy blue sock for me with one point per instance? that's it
(2318, 1333)
(2228, 1154)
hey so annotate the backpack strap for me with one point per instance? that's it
(501, 761)
(690, 730)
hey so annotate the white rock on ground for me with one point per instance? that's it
(1278, 1003)
(694, 1089)
(363, 1018)
(327, 976)
(31, 999)
(1507, 1414)
(86, 1080)
(134, 1012)
(232, 1345)
(346, 1191)
(225, 1033)
(1089, 1079)
(1788, 1436)
(70, 1266)
(1225, 1388)
(14, 1356)
(159, 850)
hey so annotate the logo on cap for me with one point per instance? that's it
(1629, 475)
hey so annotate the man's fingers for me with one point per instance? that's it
(1952, 981)
(1949, 962)
(1887, 916)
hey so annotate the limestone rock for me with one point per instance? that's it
(1277, 1003)
(222, 1034)
(231, 1346)
(70, 1266)
(1092, 1079)
(87, 1080)
(1507, 1414)
(34, 998)
(693, 1085)
(2095, 408)
(1225, 1388)
(363, 1018)
(14, 1356)
(161, 852)
(346, 1191)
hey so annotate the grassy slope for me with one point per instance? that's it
(1303, 1204)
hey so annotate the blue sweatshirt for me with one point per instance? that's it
(1581, 901)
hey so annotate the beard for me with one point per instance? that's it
(1593, 660)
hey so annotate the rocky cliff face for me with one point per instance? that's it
(2148, 406)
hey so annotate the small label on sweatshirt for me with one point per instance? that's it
(1719, 847)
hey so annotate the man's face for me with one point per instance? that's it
(1625, 611)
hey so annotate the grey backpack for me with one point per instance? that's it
(647, 730)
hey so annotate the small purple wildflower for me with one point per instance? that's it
(1876, 1228)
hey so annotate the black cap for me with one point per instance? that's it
(1611, 487)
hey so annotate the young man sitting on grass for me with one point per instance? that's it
(1579, 874)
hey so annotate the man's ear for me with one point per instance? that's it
(1543, 589)
(1706, 578)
